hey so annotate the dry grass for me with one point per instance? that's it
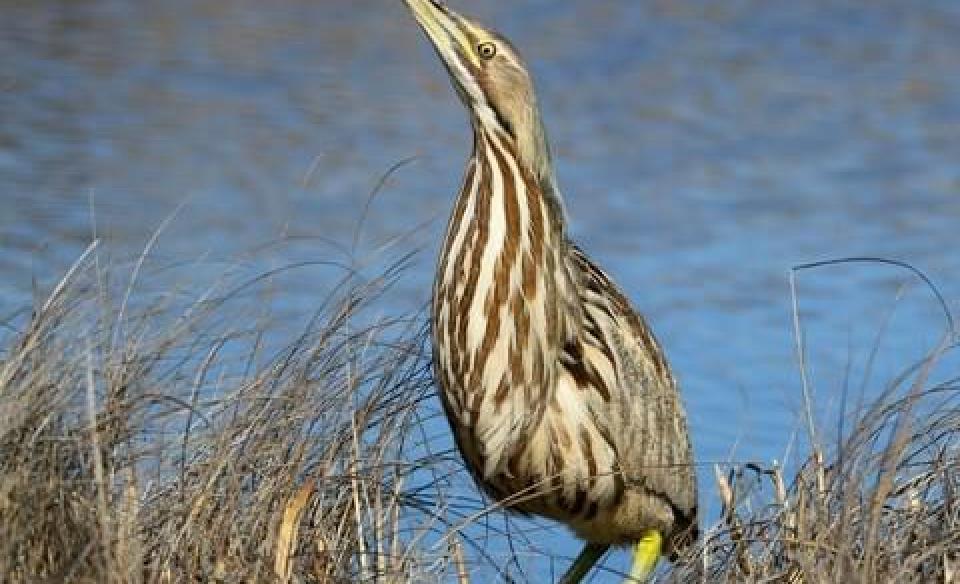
(165, 445)
(160, 442)
(880, 506)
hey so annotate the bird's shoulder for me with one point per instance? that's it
(606, 312)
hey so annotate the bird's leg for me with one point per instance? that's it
(646, 554)
(589, 556)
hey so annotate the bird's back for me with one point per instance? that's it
(624, 379)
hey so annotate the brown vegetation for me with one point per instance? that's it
(162, 445)
(881, 507)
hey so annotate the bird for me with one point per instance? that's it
(560, 399)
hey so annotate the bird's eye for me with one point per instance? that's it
(487, 50)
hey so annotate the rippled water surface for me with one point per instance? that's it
(703, 148)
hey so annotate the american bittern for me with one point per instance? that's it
(559, 396)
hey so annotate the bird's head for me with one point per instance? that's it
(490, 78)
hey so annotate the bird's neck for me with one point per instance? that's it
(534, 151)
(527, 140)
(501, 296)
(516, 182)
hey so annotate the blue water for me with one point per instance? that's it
(703, 149)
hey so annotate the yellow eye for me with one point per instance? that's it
(487, 50)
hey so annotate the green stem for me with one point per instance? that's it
(589, 556)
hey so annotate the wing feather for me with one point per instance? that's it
(635, 403)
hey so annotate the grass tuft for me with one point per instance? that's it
(880, 506)
(169, 445)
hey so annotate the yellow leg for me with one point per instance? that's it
(646, 554)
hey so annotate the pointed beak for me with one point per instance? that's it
(448, 32)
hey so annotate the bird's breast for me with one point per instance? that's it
(496, 312)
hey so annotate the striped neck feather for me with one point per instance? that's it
(527, 139)
(500, 298)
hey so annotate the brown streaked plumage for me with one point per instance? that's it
(559, 396)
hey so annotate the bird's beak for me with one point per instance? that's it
(449, 32)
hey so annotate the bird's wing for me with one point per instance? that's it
(631, 392)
